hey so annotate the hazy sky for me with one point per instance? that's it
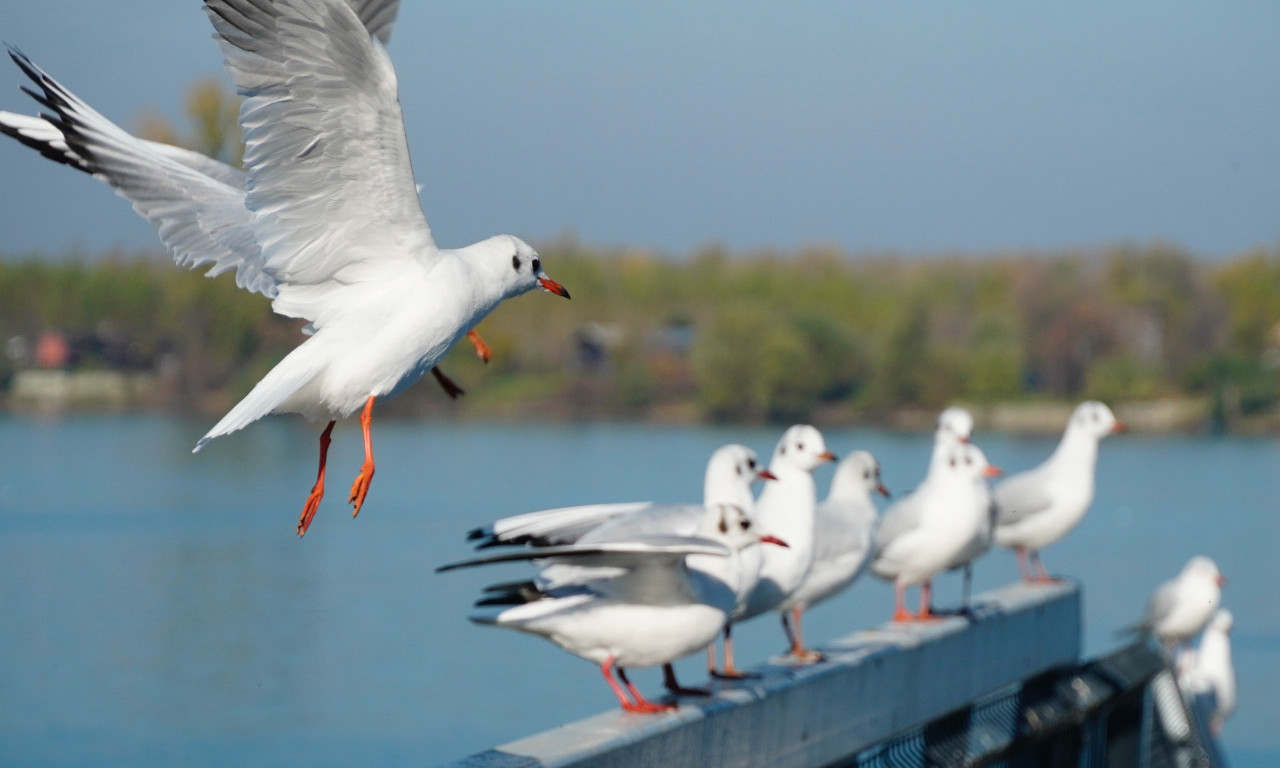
(888, 125)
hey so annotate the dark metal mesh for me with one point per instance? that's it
(1099, 715)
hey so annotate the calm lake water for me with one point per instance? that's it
(157, 609)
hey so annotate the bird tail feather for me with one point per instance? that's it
(291, 374)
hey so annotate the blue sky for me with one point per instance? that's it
(904, 126)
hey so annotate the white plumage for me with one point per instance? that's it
(844, 538)
(1039, 506)
(325, 220)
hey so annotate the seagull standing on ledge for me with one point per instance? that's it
(325, 221)
(1037, 507)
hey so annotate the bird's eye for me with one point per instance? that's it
(799, 446)
(515, 262)
(866, 475)
(537, 265)
(745, 523)
(952, 461)
(751, 463)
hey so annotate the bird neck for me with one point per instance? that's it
(1077, 447)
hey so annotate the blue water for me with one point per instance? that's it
(156, 607)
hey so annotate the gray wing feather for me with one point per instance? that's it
(635, 553)
(1161, 605)
(1020, 497)
(377, 16)
(655, 520)
(564, 525)
(196, 204)
(330, 184)
(900, 518)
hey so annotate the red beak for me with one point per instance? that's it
(551, 286)
(774, 540)
(765, 474)
(828, 456)
(884, 491)
(1119, 427)
(992, 471)
(1222, 580)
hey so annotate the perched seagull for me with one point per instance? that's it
(955, 425)
(787, 508)
(1183, 605)
(929, 529)
(1039, 506)
(984, 517)
(730, 473)
(325, 221)
(660, 605)
(844, 534)
(1208, 669)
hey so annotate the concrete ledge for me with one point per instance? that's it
(874, 684)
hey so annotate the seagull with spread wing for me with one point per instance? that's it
(324, 220)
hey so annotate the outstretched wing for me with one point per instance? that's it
(635, 553)
(377, 16)
(196, 204)
(329, 183)
(563, 525)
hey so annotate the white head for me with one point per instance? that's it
(732, 525)
(802, 448)
(956, 423)
(857, 476)
(1094, 419)
(976, 465)
(1204, 570)
(516, 268)
(730, 472)
(948, 465)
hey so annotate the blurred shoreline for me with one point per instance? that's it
(68, 394)
(1173, 343)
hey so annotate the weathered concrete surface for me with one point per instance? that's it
(874, 684)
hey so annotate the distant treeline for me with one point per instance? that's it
(731, 337)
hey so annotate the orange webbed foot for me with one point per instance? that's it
(309, 509)
(482, 349)
(360, 488)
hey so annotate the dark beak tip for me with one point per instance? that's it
(551, 286)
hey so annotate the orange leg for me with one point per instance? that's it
(796, 637)
(1023, 566)
(360, 488)
(731, 671)
(482, 350)
(900, 612)
(642, 704)
(317, 490)
(1042, 576)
